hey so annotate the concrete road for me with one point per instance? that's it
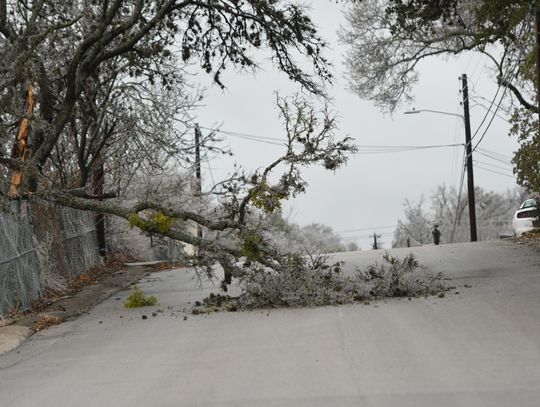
(477, 346)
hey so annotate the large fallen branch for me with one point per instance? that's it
(310, 141)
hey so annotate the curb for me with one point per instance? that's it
(14, 335)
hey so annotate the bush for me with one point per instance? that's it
(138, 299)
(312, 281)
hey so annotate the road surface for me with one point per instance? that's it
(477, 346)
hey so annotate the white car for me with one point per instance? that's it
(524, 216)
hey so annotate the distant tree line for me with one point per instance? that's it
(449, 210)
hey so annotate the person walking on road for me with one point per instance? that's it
(436, 234)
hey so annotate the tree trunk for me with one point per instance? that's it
(97, 189)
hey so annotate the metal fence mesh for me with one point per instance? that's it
(80, 242)
(19, 266)
(21, 233)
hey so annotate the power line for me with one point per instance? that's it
(362, 149)
(480, 97)
(244, 135)
(503, 161)
(490, 122)
(495, 172)
(210, 171)
(507, 157)
(487, 113)
(257, 140)
(484, 59)
(507, 75)
(487, 108)
(492, 165)
(356, 237)
(367, 150)
(364, 229)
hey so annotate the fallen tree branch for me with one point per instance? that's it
(82, 193)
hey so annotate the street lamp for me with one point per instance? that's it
(413, 111)
(468, 149)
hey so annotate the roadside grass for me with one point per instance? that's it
(44, 321)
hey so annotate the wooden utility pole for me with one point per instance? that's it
(375, 243)
(20, 148)
(537, 27)
(198, 187)
(469, 160)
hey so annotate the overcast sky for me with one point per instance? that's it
(366, 196)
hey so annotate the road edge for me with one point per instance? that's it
(14, 335)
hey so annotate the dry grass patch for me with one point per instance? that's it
(44, 321)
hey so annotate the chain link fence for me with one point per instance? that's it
(79, 240)
(19, 264)
(42, 246)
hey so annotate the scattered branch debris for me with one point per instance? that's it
(311, 281)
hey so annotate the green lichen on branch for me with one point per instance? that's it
(162, 221)
(266, 197)
(251, 245)
(157, 221)
(136, 221)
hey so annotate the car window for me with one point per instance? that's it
(528, 203)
